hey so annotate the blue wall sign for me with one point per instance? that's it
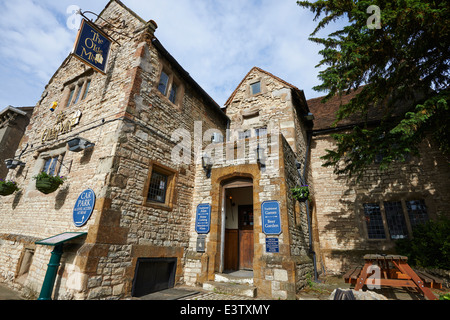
(203, 219)
(92, 46)
(272, 245)
(271, 222)
(83, 208)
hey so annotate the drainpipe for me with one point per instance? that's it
(303, 179)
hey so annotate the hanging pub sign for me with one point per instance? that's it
(270, 212)
(203, 219)
(83, 208)
(92, 46)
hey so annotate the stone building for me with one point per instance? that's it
(185, 191)
(156, 148)
(13, 122)
(352, 218)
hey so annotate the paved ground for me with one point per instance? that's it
(315, 291)
(8, 294)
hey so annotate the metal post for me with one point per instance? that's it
(50, 276)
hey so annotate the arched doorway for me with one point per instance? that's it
(237, 248)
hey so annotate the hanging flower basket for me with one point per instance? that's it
(7, 188)
(48, 184)
(300, 194)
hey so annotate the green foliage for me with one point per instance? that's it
(430, 245)
(445, 296)
(8, 187)
(53, 179)
(401, 69)
(300, 193)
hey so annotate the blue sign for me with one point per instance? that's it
(271, 222)
(92, 46)
(272, 245)
(83, 208)
(203, 219)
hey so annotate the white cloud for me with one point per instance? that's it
(217, 42)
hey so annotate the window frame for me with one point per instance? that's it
(252, 86)
(173, 81)
(55, 162)
(172, 176)
(382, 207)
(76, 90)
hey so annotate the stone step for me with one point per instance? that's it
(232, 278)
(230, 288)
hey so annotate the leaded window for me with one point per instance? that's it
(417, 212)
(374, 221)
(396, 220)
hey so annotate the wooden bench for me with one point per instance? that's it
(352, 275)
(391, 271)
(429, 280)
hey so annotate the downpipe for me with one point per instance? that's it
(302, 177)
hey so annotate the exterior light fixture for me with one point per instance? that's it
(12, 163)
(207, 165)
(309, 117)
(79, 144)
(260, 158)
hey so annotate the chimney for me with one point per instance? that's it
(151, 27)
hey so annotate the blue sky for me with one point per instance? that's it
(216, 41)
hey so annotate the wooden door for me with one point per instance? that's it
(246, 237)
(231, 249)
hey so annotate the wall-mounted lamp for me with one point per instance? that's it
(309, 117)
(12, 163)
(207, 165)
(79, 144)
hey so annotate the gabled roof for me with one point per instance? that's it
(267, 73)
(125, 7)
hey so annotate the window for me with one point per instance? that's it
(396, 220)
(173, 93)
(158, 187)
(78, 95)
(52, 165)
(78, 92)
(163, 83)
(86, 90)
(72, 91)
(255, 88)
(170, 87)
(400, 217)
(245, 134)
(261, 132)
(159, 190)
(374, 221)
(417, 212)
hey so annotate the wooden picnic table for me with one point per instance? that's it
(392, 271)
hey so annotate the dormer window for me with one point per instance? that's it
(255, 88)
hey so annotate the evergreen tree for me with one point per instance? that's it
(398, 54)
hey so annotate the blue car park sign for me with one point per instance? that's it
(271, 221)
(203, 219)
(83, 208)
(92, 46)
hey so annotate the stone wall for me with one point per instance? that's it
(339, 201)
(275, 275)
